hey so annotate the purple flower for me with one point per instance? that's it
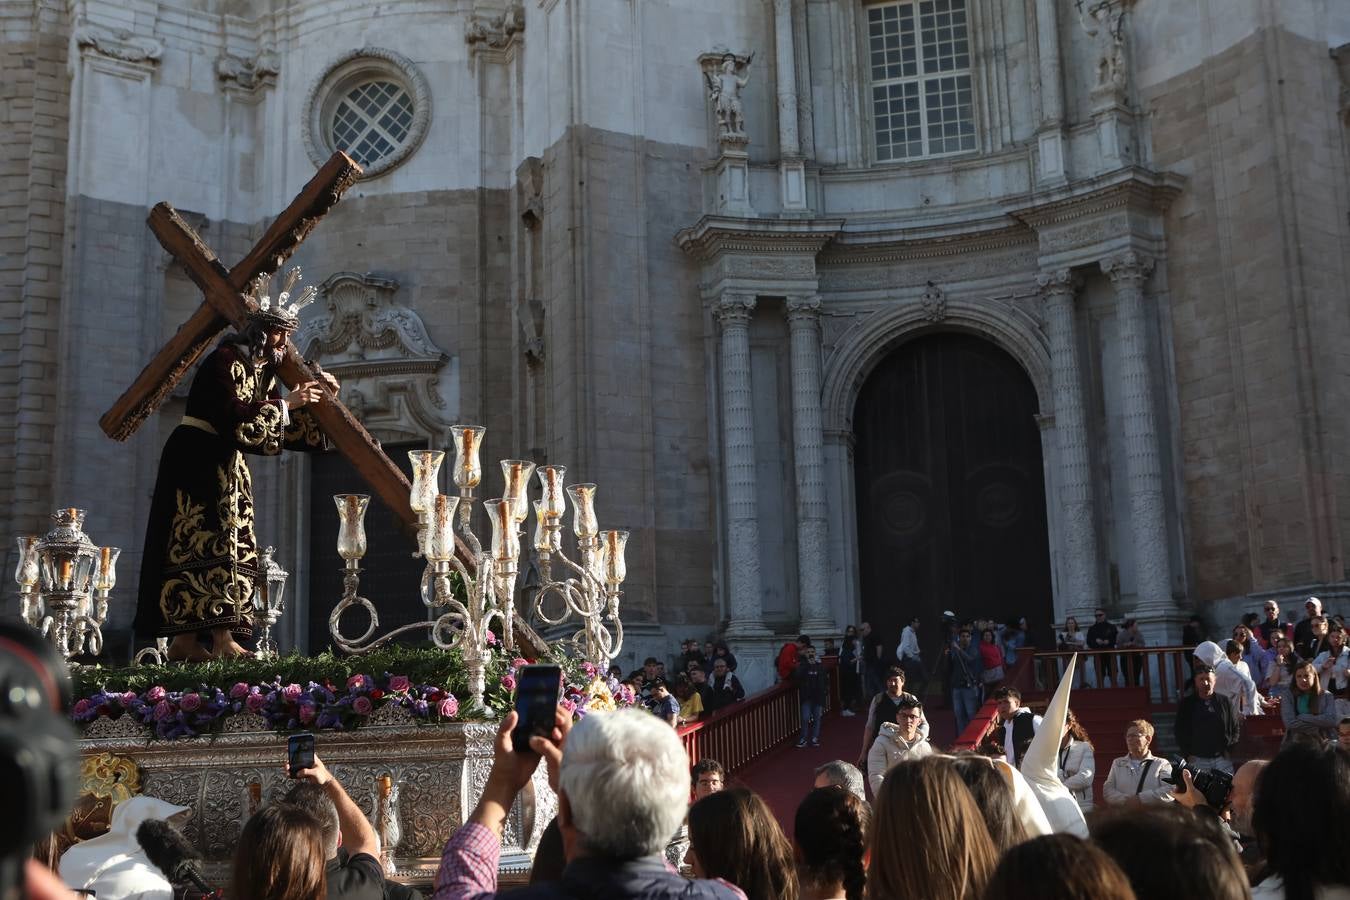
(81, 708)
(568, 704)
(420, 708)
(292, 692)
(362, 706)
(307, 713)
(155, 694)
(589, 669)
(239, 691)
(448, 708)
(190, 702)
(163, 710)
(255, 702)
(399, 683)
(509, 682)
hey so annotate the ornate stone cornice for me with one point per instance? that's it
(1133, 187)
(1127, 268)
(247, 74)
(734, 308)
(888, 244)
(119, 44)
(714, 236)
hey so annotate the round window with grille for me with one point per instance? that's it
(372, 104)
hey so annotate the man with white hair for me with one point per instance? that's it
(622, 780)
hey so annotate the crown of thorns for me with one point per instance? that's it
(283, 312)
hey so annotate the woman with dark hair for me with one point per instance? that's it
(1167, 850)
(830, 833)
(280, 856)
(1309, 712)
(994, 798)
(1077, 761)
(734, 836)
(928, 837)
(1303, 842)
(1279, 672)
(1058, 867)
(723, 652)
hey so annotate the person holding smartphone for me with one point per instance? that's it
(353, 870)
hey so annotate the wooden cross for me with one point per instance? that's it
(227, 304)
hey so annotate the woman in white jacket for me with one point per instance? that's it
(1077, 763)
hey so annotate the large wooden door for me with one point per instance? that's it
(950, 489)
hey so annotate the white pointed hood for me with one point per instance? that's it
(1039, 763)
(114, 864)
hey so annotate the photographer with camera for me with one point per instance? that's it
(1207, 727)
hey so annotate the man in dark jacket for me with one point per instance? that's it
(1207, 725)
(726, 687)
(623, 767)
(812, 683)
(1102, 636)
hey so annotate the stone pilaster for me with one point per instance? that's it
(738, 458)
(1050, 138)
(1081, 586)
(1153, 579)
(792, 168)
(808, 453)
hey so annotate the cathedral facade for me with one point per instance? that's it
(854, 310)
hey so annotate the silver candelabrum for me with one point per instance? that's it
(463, 620)
(64, 582)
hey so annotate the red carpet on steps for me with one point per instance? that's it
(784, 776)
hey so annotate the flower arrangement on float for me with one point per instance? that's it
(327, 692)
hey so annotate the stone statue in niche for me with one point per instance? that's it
(724, 87)
(1106, 26)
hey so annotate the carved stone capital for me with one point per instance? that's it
(803, 307)
(495, 32)
(1127, 268)
(249, 74)
(933, 302)
(119, 44)
(1058, 283)
(735, 308)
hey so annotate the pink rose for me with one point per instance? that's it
(356, 683)
(292, 691)
(190, 702)
(448, 708)
(362, 706)
(255, 702)
(589, 669)
(127, 699)
(491, 638)
(306, 714)
(518, 663)
(81, 708)
(155, 694)
(163, 709)
(239, 691)
(509, 682)
(399, 683)
(568, 704)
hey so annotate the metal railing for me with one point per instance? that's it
(1162, 672)
(740, 733)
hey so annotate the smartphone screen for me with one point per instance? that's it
(537, 691)
(300, 752)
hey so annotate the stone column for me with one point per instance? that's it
(791, 166)
(1081, 585)
(738, 458)
(808, 453)
(1050, 138)
(1143, 468)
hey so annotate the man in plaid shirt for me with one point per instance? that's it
(622, 782)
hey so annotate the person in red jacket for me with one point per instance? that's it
(790, 655)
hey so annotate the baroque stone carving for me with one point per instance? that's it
(249, 74)
(382, 354)
(726, 74)
(119, 44)
(1106, 26)
(933, 302)
(496, 32)
(121, 728)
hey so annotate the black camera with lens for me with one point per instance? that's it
(1213, 784)
(39, 766)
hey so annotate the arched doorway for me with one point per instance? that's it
(950, 489)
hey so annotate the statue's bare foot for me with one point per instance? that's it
(185, 648)
(224, 646)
